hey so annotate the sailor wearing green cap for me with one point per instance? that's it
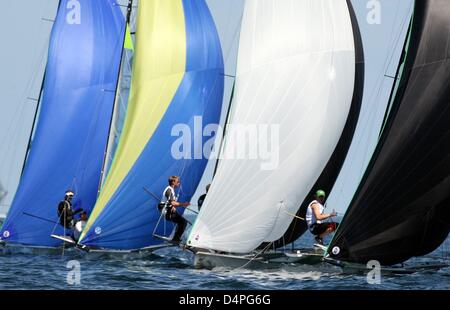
(315, 217)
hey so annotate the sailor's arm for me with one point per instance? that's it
(179, 204)
(319, 216)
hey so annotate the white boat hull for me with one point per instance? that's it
(269, 260)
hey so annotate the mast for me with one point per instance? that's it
(113, 114)
(36, 113)
(225, 126)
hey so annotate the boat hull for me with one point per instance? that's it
(270, 260)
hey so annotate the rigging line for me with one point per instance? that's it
(221, 148)
(403, 24)
(387, 63)
(38, 100)
(237, 36)
(276, 219)
(156, 197)
(394, 43)
(256, 256)
(30, 82)
(39, 218)
(36, 113)
(294, 216)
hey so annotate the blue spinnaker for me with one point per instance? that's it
(71, 135)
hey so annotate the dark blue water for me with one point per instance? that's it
(173, 269)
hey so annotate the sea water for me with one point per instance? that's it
(173, 268)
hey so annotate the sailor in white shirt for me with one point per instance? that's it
(169, 201)
(79, 226)
(315, 217)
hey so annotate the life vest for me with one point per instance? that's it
(65, 214)
(310, 217)
(165, 200)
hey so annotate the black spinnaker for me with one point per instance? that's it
(402, 206)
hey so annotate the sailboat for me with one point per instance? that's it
(378, 72)
(330, 173)
(26, 27)
(177, 87)
(297, 74)
(72, 130)
(400, 209)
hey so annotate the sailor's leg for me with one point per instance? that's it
(330, 228)
(181, 225)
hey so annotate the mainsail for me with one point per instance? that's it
(70, 138)
(25, 30)
(295, 76)
(178, 76)
(400, 209)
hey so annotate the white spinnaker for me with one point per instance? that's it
(25, 31)
(296, 70)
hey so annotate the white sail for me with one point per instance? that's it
(25, 31)
(296, 70)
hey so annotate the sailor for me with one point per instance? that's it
(202, 198)
(169, 201)
(315, 217)
(79, 226)
(65, 211)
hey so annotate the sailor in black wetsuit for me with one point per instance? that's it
(65, 211)
(202, 198)
(169, 201)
